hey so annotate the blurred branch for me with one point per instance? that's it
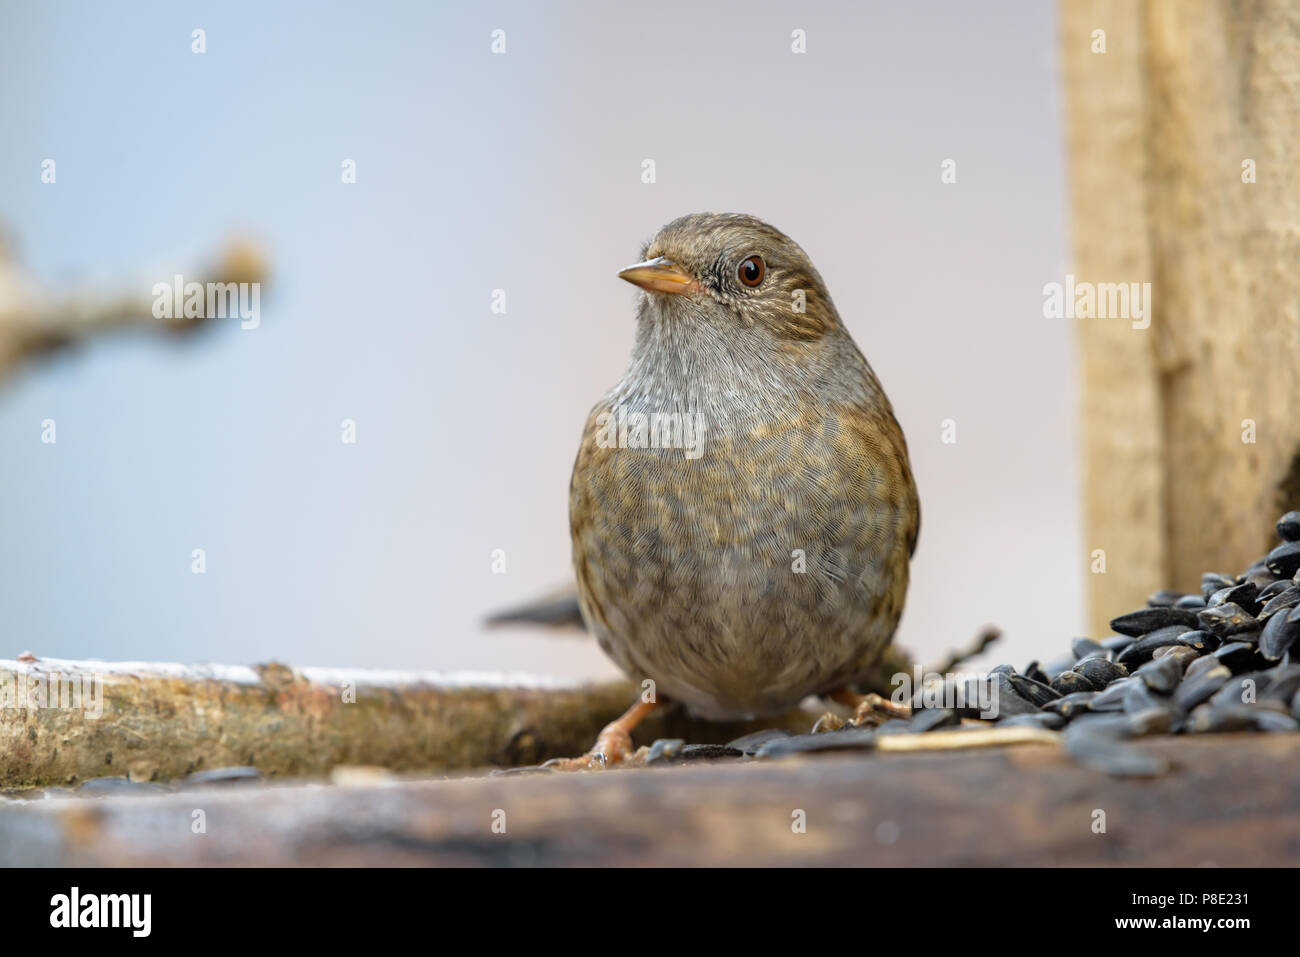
(63, 722)
(35, 321)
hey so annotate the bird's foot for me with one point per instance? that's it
(868, 710)
(874, 710)
(613, 747)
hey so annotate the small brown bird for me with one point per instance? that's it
(742, 506)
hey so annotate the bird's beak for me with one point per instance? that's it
(660, 275)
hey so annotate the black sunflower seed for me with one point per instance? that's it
(897, 726)
(1239, 689)
(697, 752)
(1071, 682)
(666, 749)
(1058, 665)
(1087, 648)
(1112, 699)
(1283, 683)
(1276, 588)
(1239, 656)
(1164, 598)
(1138, 697)
(845, 739)
(1161, 674)
(1279, 634)
(1179, 652)
(1157, 720)
(1147, 620)
(1284, 600)
(1142, 649)
(1034, 671)
(239, 774)
(1005, 700)
(1243, 595)
(1284, 561)
(1199, 641)
(1071, 705)
(1033, 691)
(1271, 721)
(1212, 582)
(750, 743)
(932, 718)
(1195, 690)
(1200, 666)
(1224, 718)
(1288, 527)
(1044, 719)
(1216, 716)
(1259, 576)
(1100, 672)
(1226, 619)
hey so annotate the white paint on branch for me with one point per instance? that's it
(243, 674)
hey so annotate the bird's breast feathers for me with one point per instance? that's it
(834, 478)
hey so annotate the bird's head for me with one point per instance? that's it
(732, 268)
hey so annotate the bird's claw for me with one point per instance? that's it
(611, 749)
(829, 721)
(874, 710)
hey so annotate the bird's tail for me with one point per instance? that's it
(556, 610)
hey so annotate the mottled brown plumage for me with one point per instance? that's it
(687, 566)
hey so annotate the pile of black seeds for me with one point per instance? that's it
(1216, 661)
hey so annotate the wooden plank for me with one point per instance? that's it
(1230, 800)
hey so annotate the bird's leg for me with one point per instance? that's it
(869, 709)
(613, 744)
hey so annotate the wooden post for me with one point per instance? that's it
(1184, 150)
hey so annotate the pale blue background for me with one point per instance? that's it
(518, 171)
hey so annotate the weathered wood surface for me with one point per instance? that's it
(1230, 800)
(1159, 127)
(161, 722)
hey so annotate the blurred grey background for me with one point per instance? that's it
(521, 172)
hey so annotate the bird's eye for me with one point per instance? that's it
(752, 271)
